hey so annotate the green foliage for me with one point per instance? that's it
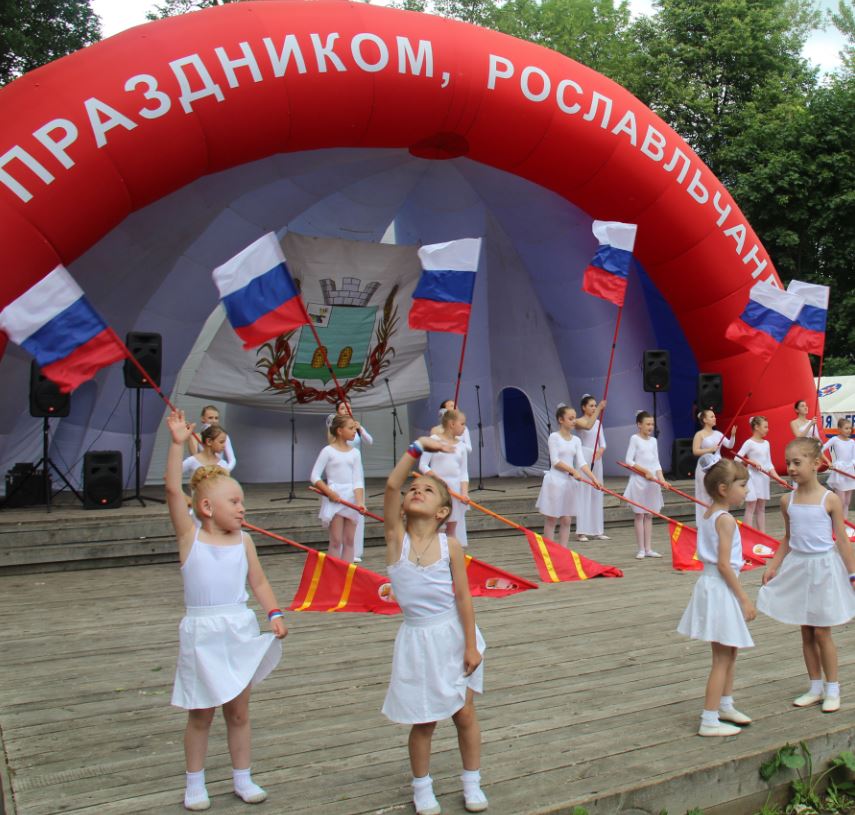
(36, 32)
(579, 811)
(806, 788)
(171, 8)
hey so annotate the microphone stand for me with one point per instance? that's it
(396, 428)
(292, 496)
(548, 425)
(481, 487)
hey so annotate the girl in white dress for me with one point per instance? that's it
(809, 580)
(706, 445)
(756, 449)
(801, 425)
(222, 654)
(589, 520)
(437, 663)
(558, 498)
(453, 468)
(342, 466)
(211, 453)
(210, 416)
(362, 436)
(720, 608)
(842, 448)
(643, 455)
(448, 404)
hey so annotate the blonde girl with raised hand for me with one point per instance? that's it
(453, 468)
(842, 450)
(643, 455)
(802, 426)
(589, 518)
(706, 445)
(558, 500)
(222, 654)
(719, 608)
(756, 449)
(341, 463)
(437, 665)
(809, 580)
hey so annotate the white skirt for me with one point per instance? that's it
(329, 509)
(758, 486)
(842, 483)
(589, 519)
(558, 495)
(221, 652)
(809, 590)
(427, 682)
(714, 613)
(645, 492)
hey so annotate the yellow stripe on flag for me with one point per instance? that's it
(345, 592)
(578, 563)
(316, 578)
(544, 553)
(678, 528)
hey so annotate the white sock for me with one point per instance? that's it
(815, 687)
(195, 791)
(246, 788)
(423, 797)
(726, 703)
(709, 717)
(472, 786)
(832, 689)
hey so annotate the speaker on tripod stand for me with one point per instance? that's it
(147, 349)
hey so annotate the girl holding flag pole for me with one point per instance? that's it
(756, 451)
(589, 521)
(706, 445)
(842, 447)
(801, 425)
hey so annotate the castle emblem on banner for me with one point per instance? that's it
(354, 333)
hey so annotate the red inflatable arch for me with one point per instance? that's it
(95, 136)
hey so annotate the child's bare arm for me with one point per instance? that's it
(262, 590)
(463, 598)
(176, 499)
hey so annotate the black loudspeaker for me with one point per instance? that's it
(102, 479)
(710, 394)
(656, 370)
(45, 398)
(147, 349)
(683, 461)
(25, 486)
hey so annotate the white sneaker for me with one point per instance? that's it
(602, 537)
(475, 801)
(251, 793)
(807, 699)
(831, 704)
(640, 556)
(651, 553)
(719, 729)
(197, 802)
(731, 714)
(357, 560)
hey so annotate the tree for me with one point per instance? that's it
(172, 8)
(36, 32)
(844, 20)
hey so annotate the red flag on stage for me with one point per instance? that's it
(756, 548)
(331, 584)
(489, 581)
(555, 564)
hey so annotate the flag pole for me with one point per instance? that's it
(460, 366)
(819, 430)
(606, 387)
(742, 405)
(323, 350)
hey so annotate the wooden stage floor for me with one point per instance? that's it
(591, 698)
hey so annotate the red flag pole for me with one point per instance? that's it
(261, 531)
(608, 379)
(819, 428)
(323, 350)
(460, 366)
(744, 402)
(348, 504)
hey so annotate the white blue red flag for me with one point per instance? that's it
(55, 323)
(808, 331)
(608, 273)
(442, 300)
(766, 320)
(258, 293)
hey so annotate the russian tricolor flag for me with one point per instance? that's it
(442, 300)
(608, 273)
(258, 294)
(767, 318)
(808, 331)
(55, 323)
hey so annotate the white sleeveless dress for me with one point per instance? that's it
(221, 650)
(589, 517)
(712, 444)
(427, 682)
(714, 613)
(812, 585)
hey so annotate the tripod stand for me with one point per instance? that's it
(396, 428)
(481, 487)
(138, 496)
(45, 464)
(292, 496)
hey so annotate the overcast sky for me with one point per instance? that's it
(821, 49)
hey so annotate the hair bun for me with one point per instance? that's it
(560, 405)
(586, 396)
(638, 413)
